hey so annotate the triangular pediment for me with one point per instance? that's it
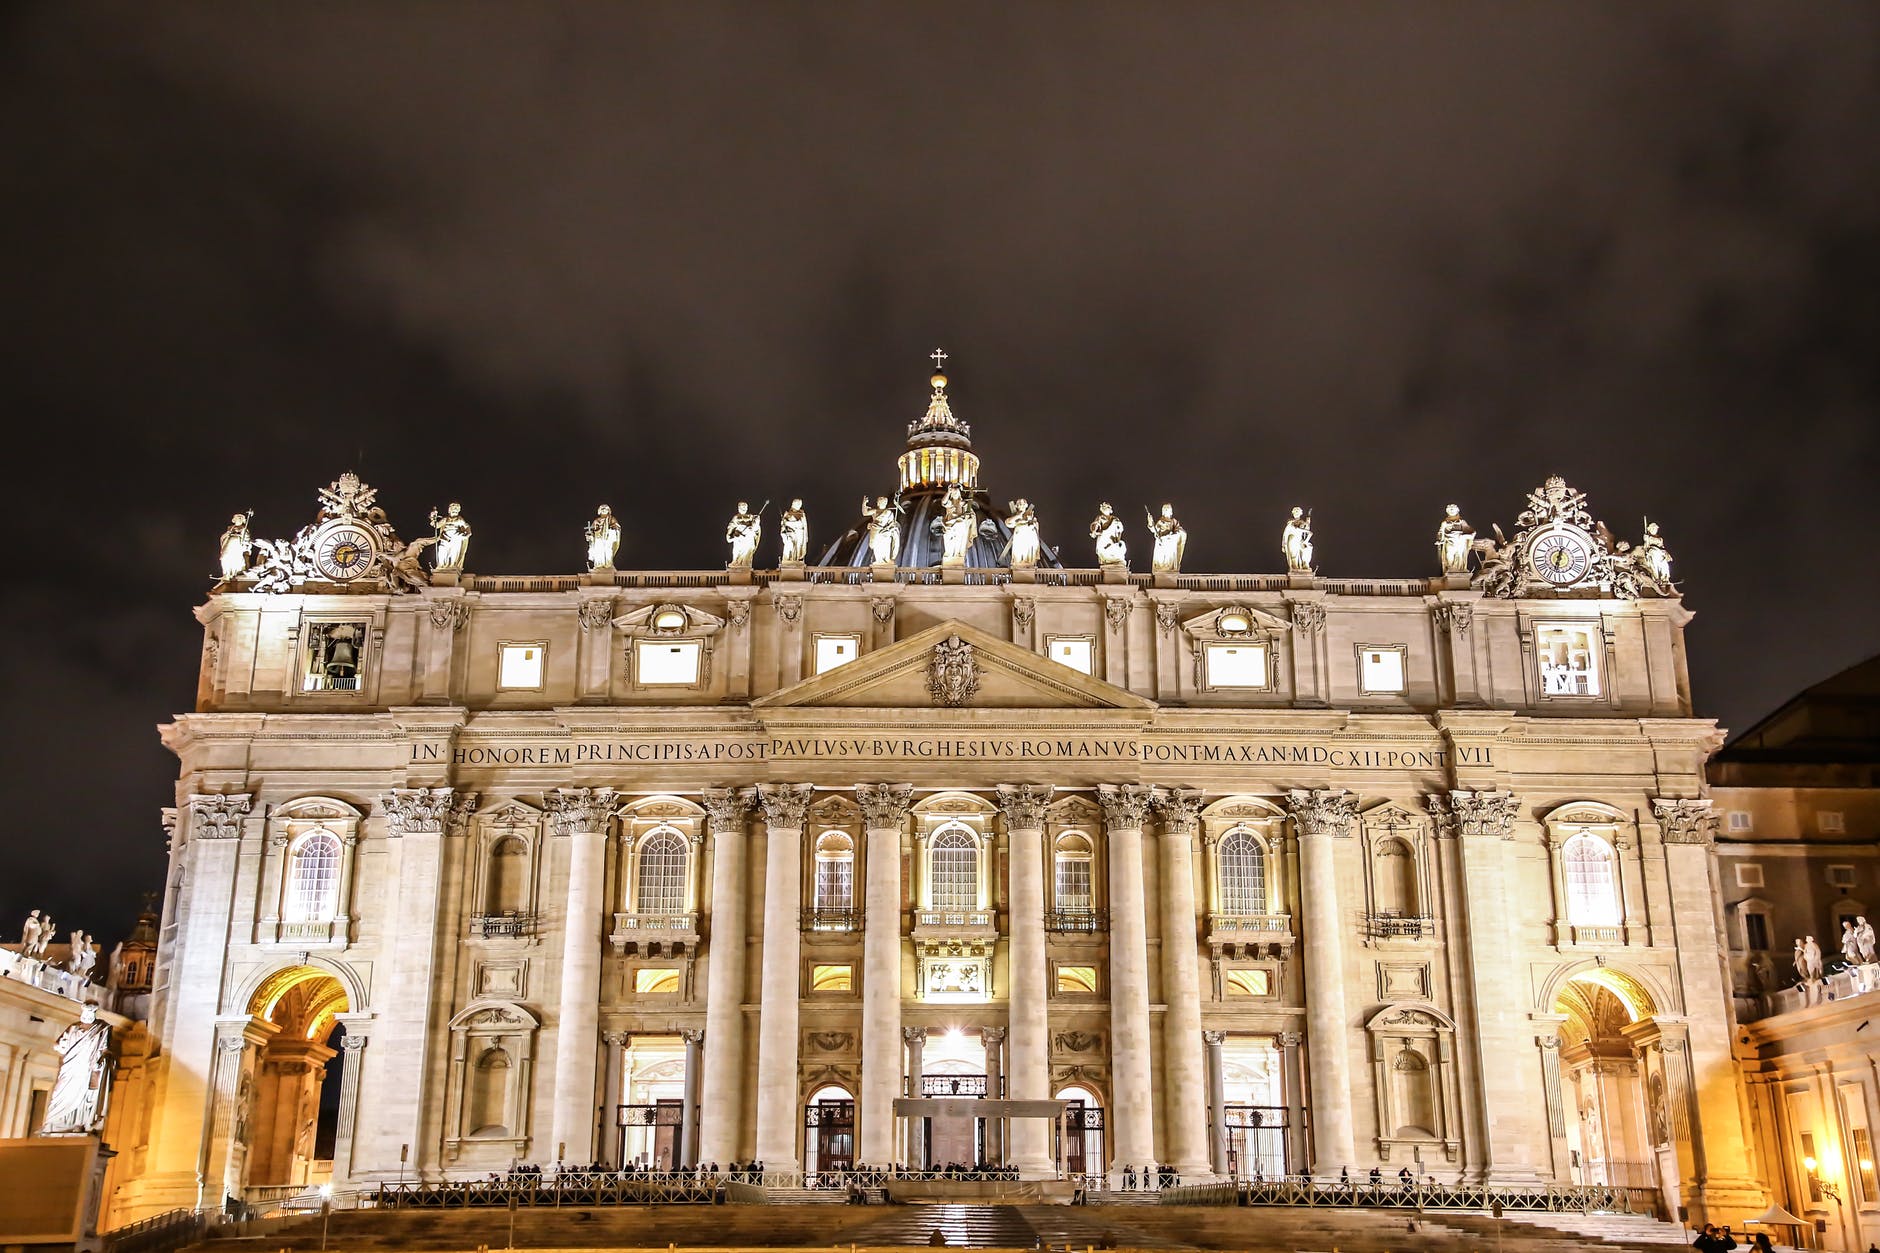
(1003, 676)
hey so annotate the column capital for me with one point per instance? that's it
(785, 805)
(726, 808)
(426, 810)
(1685, 821)
(218, 815)
(578, 809)
(353, 1043)
(1024, 804)
(1488, 814)
(1214, 1039)
(616, 1038)
(1322, 811)
(914, 1037)
(884, 805)
(992, 1035)
(1124, 804)
(692, 1035)
(1290, 1039)
(1180, 808)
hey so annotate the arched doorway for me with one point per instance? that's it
(829, 1131)
(1079, 1150)
(285, 1105)
(1622, 1090)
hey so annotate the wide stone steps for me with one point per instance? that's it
(1005, 1226)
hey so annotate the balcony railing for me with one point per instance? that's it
(655, 933)
(655, 922)
(1400, 927)
(953, 1085)
(1076, 921)
(1261, 924)
(832, 920)
(953, 918)
(509, 925)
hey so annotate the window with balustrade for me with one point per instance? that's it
(660, 874)
(1071, 886)
(835, 874)
(1241, 861)
(953, 870)
(313, 877)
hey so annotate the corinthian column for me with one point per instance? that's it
(1183, 1083)
(784, 806)
(1132, 1123)
(1319, 817)
(884, 809)
(580, 815)
(1029, 1040)
(719, 1125)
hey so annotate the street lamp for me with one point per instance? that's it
(326, 1212)
(1827, 1188)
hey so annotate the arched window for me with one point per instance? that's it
(1592, 881)
(1394, 872)
(835, 873)
(955, 870)
(489, 1094)
(313, 878)
(508, 872)
(1243, 873)
(660, 886)
(1072, 881)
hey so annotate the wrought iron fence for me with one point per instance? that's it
(172, 1230)
(1399, 927)
(953, 1085)
(1087, 921)
(508, 925)
(569, 1188)
(832, 920)
(1395, 1194)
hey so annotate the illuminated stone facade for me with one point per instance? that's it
(1250, 872)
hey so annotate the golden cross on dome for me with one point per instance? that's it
(939, 358)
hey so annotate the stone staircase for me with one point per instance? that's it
(805, 1196)
(1005, 1226)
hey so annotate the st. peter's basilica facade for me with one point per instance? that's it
(944, 846)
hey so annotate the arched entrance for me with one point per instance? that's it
(829, 1131)
(1623, 1085)
(1079, 1150)
(285, 1105)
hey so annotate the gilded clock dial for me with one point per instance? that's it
(1560, 557)
(344, 552)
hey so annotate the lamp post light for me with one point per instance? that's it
(326, 1212)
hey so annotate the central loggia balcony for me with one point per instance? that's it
(1250, 935)
(656, 935)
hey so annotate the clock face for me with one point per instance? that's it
(343, 552)
(1561, 556)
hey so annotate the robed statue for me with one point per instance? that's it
(1455, 539)
(957, 520)
(1296, 542)
(742, 533)
(235, 545)
(1022, 519)
(793, 529)
(453, 538)
(1652, 557)
(1107, 530)
(884, 530)
(1171, 541)
(603, 540)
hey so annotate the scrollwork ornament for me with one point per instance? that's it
(992, 1037)
(1124, 804)
(451, 614)
(882, 608)
(785, 804)
(1454, 616)
(596, 615)
(572, 810)
(1180, 809)
(1078, 1041)
(426, 810)
(1685, 821)
(1116, 612)
(789, 608)
(914, 1036)
(1290, 1039)
(1322, 811)
(738, 611)
(726, 807)
(1023, 613)
(884, 805)
(1214, 1039)
(1024, 804)
(952, 672)
(1474, 814)
(1308, 616)
(218, 815)
(1167, 617)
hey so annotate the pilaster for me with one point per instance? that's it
(720, 1124)
(1319, 817)
(581, 816)
(1132, 1127)
(884, 810)
(1183, 1075)
(1024, 808)
(784, 806)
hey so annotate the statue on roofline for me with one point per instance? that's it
(957, 520)
(1107, 529)
(453, 538)
(1171, 541)
(1455, 539)
(1296, 541)
(742, 533)
(884, 529)
(235, 545)
(1022, 518)
(603, 539)
(793, 530)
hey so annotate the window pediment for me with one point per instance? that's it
(494, 1016)
(1226, 624)
(668, 620)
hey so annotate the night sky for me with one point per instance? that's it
(1366, 258)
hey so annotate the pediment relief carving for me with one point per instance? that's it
(835, 811)
(662, 807)
(485, 1015)
(955, 803)
(1243, 809)
(669, 620)
(1242, 622)
(317, 808)
(1390, 814)
(1078, 810)
(512, 814)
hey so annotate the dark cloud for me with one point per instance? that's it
(1369, 258)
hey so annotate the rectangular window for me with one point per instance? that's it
(1840, 875)
(1077, 979)
(665, 662)
(1248, 983)
(1863, 1162)
(1568, 655)
(1236, 665)
(1756, 932)
(1073, 884)
(1380, 669)
(333, 656)
(519, 667)
(836, 650)
(832, 978)
(1814, 1173)
(656, 981)
(1070, 650)
(1749, 874)
(1740, 822)
(1831, 822)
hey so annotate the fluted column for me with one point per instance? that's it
(1132, 1123)
(784, 806)
(688, 1117)
(1217, 1100)
(1186, 1138)
(720, 1125)
(1030, 1073)
(884, 810)
(1319, 818)
(916, 1038)
(580, 815)
(993, 1038)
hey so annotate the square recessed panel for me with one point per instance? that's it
(836, 650)
(1070, 650)
(1236, 665)
(672, 663)
(1380, 671)
(519, 666)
